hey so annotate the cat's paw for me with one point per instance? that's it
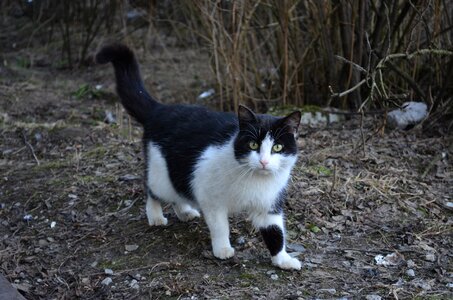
(157, 221)
(224, 252)
(284, 261)
(186, 214)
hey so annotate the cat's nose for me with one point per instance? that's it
(264, 162)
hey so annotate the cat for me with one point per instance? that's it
(217, 162)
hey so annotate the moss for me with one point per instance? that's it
(319, 170)
(50, 165)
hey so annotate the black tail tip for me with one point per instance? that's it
(114, 53)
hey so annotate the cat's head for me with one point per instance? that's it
(264, 143)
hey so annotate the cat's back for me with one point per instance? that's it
(190, 125)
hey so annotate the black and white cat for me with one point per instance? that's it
(216, 162)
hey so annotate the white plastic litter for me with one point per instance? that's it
(52, 224)
(392, 259)
(410, 113)
(206, 94)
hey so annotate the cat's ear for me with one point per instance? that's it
(246, 116)
(291, 122)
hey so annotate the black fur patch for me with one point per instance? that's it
(273, 238)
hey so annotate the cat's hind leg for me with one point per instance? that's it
(185, 212)
(272, 228)
(154, 211)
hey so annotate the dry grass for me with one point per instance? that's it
(356, 55)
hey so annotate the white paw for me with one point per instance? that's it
(224, 253)
(157, 221)
(284, 261)
(188, 215)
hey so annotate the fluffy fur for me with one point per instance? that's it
(215, 162)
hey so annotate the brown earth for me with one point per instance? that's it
(60, 162)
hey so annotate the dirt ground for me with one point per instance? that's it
(72, 205)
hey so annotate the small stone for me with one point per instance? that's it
(86, 280)
(450, 285)
(410, 272)
(373, 297)
(107, 281)
(137, 276)
(274, 276)
(131, 248)
(109, 117)
(168, 293)
(94, 264)
(50, 239)
(330, 291)
(296, 247)
(410, 263)
(240, 240)
(52, 224)
(270, 272)
(134, 284)
(108, 271)
(129, 177)
(43, 243)
(430, 257)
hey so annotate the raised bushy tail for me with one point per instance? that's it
(129, 84)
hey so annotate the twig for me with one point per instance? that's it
(332, 188)
(31, 148)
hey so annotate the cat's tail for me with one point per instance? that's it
(129, 84)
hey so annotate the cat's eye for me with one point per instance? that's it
(253, 145)
(277, 147)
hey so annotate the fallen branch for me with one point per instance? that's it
(31, 148)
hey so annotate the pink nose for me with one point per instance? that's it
(264, 163)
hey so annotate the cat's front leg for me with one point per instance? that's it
(217, 221)
(154, 211)
(272, 229)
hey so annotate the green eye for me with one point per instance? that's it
(277, 147)
(253, 145)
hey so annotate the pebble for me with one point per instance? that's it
(373, 297)
(43, 243)
(410, 272)
(108, 271)
(134, 284)
(410, 263)
(131, 248)
(296, 247)
(240, 240)
(450, 285)
(28, 217)
(330, 291)
(430, 257)
(86, 280)
(52, 224)
(107, 281)
(274, 276)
